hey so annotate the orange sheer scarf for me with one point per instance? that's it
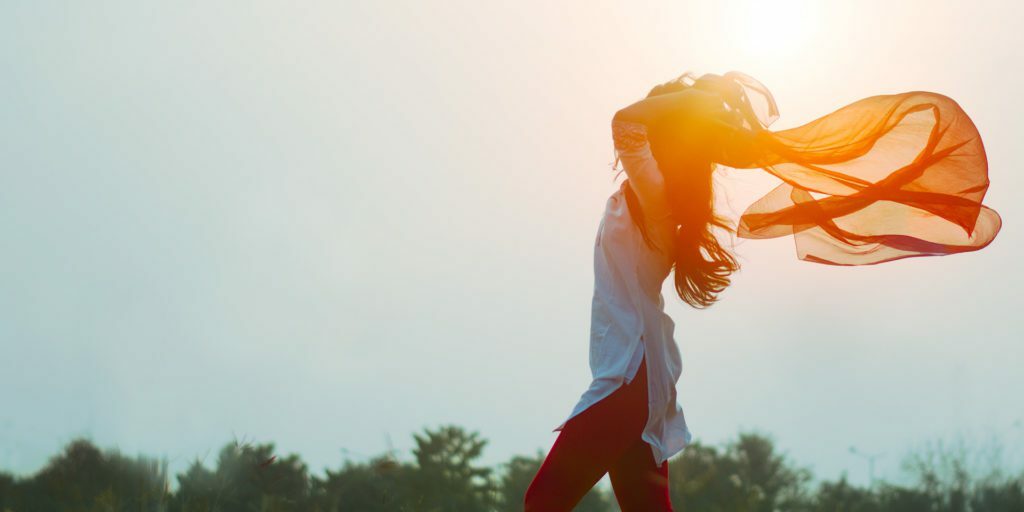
(896, 176)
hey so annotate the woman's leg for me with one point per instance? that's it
(588, 446)
(576, 462)
(639, 485)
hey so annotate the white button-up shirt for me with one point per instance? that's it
(627, 314)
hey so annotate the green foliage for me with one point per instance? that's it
(248, 478)
(382, 485)
(748, 476)
(83, 478)
(447, 479)
(518, 474)
(445, 475)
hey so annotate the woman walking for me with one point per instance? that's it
(902, 175)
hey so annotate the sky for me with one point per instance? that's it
(330, 225)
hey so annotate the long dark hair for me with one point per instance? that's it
(702, 267)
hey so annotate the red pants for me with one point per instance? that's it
(604, 438)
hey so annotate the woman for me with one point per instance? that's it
(902, 175)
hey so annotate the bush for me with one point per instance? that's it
(445, 475)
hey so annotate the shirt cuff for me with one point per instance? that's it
(628, 135)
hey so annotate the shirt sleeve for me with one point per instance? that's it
(634, 151)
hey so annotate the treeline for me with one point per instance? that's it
(445, 475)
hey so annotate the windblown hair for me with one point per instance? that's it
(702, 267)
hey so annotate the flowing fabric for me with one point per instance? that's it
(896, 176)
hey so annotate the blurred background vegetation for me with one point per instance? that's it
(445, 475)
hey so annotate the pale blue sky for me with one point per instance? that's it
(328, 224)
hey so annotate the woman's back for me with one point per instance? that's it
(628, 320)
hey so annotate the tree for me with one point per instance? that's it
(749, 476)
(382, 485)
(999, 496)
(248, 478)
(8, 491)
(85, 478)
(518, 474)
(840, 496)
(515, 480)
(745, 475)
(766, 474)
(447, 477)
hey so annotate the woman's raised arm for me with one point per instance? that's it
(690, 116)
(653, 110)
